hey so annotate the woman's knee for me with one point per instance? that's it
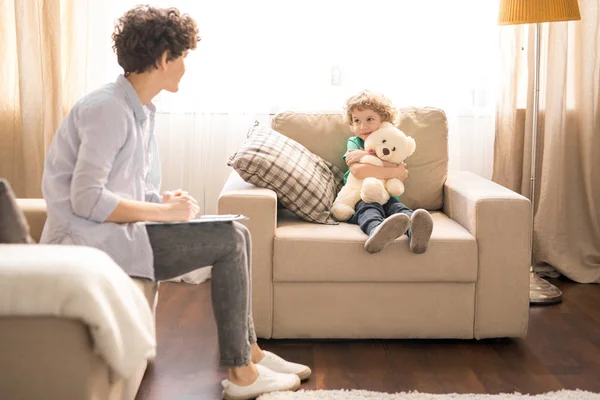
(229, 238)
(243, 230)
(233, 244)
(240, 237)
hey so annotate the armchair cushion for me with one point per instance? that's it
(304, 183)
(14, 227)
(305, 253)
(428, 166)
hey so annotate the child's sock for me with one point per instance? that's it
(422, 226)
(389, 230)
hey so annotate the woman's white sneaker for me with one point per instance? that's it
(278, 364)
(268, 381)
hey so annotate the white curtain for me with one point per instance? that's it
(567, 221)
(261, 57)
(30, 89)
(195, 147)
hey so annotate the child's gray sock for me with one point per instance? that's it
(389, 230)
(422, 226)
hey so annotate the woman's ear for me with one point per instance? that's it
(162, 62)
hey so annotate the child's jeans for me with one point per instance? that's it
(370, 215)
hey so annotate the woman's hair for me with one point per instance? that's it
(144, 33)
(367, 100)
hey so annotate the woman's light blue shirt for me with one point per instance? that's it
(101, 154)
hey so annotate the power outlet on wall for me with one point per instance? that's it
(336, 75)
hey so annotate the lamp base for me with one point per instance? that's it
(542, 292)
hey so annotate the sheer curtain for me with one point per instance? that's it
(567, 220)
(30, 89)
(255, 59)
(258, 58)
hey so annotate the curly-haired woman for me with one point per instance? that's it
(101, 180)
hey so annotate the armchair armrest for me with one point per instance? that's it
(260, 206)
(500, 221)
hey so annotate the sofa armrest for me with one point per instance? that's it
(46, 357)
(500, 221)
(81, 283)
(260, 206)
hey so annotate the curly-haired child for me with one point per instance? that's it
(365, 112)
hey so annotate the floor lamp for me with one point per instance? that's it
(514, 12)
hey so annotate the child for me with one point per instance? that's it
(365, 112)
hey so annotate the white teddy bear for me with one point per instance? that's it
(388, 143)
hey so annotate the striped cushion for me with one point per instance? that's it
(304, 183)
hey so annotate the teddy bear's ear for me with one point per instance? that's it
(411, 145)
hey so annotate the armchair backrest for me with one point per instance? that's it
(326, 135)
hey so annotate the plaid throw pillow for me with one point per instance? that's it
(304, 183)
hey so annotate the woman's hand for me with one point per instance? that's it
(354, 156)
(180, 208)
(166, 196)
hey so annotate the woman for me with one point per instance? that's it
(101, 180)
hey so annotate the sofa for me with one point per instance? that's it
(313, 280)
(49, 357)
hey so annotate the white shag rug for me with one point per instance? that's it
(367, 395)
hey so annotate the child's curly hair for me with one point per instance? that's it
(144, 33)
(367, 100)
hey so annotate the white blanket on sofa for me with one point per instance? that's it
(85, 284)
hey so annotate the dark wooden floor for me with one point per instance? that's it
(562, 350)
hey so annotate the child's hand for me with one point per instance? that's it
(402, 172)
(354, 156)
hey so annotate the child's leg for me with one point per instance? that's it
(367, 215)
(393, 206)
(382, 231)
(421, 225)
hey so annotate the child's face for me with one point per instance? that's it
(364, 122)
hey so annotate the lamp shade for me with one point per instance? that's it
(532, 11)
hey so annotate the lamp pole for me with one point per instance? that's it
(540, 290)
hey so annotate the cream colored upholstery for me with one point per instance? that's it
(52, 358)
(326, 136)
(316, 281)
(262, 205)
(325, 253)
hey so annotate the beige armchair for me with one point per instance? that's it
(53, 358)
(317, 281)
